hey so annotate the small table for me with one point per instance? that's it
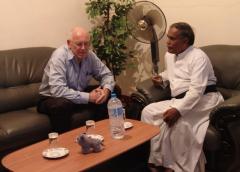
(30, 158)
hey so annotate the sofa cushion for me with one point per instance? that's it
(20, 75)
(228, 93)
(23, 66)
(225, 59)
(23, 127)
(20, 97)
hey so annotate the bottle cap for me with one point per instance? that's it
(113, 94)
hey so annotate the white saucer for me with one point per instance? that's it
(128, 125)
(54, 153)
(96, 136)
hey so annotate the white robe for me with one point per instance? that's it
(180, 146)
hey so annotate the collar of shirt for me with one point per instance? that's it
(183, 54)
(70, 55)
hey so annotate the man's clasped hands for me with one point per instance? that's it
(99, 95)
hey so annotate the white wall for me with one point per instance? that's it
(214, 21)
(26, 23)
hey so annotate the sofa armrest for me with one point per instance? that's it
(225, 119)
(221, 118)
(212, 141)
(226, 112)
(146, 93)
(153, 93)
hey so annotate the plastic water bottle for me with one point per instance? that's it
(116, 117)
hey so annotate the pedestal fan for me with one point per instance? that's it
(147, 24)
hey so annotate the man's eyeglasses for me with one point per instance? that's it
(81, 44)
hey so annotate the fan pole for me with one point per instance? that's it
(155, 52)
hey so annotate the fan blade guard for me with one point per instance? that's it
(146, 9)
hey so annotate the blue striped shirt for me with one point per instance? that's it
(65, 77)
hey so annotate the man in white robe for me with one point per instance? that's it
(184, 119)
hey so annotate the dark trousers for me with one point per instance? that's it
(60, 111)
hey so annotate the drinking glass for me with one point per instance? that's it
(53, 140)
(90, 127)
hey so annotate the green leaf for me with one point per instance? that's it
(109, 37)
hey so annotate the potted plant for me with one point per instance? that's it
(109, 34)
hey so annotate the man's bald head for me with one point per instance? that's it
(79, 42)
(77, 32)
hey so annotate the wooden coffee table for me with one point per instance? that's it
(30, 158)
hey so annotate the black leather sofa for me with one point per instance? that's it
(20, 77)
(222, 142)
